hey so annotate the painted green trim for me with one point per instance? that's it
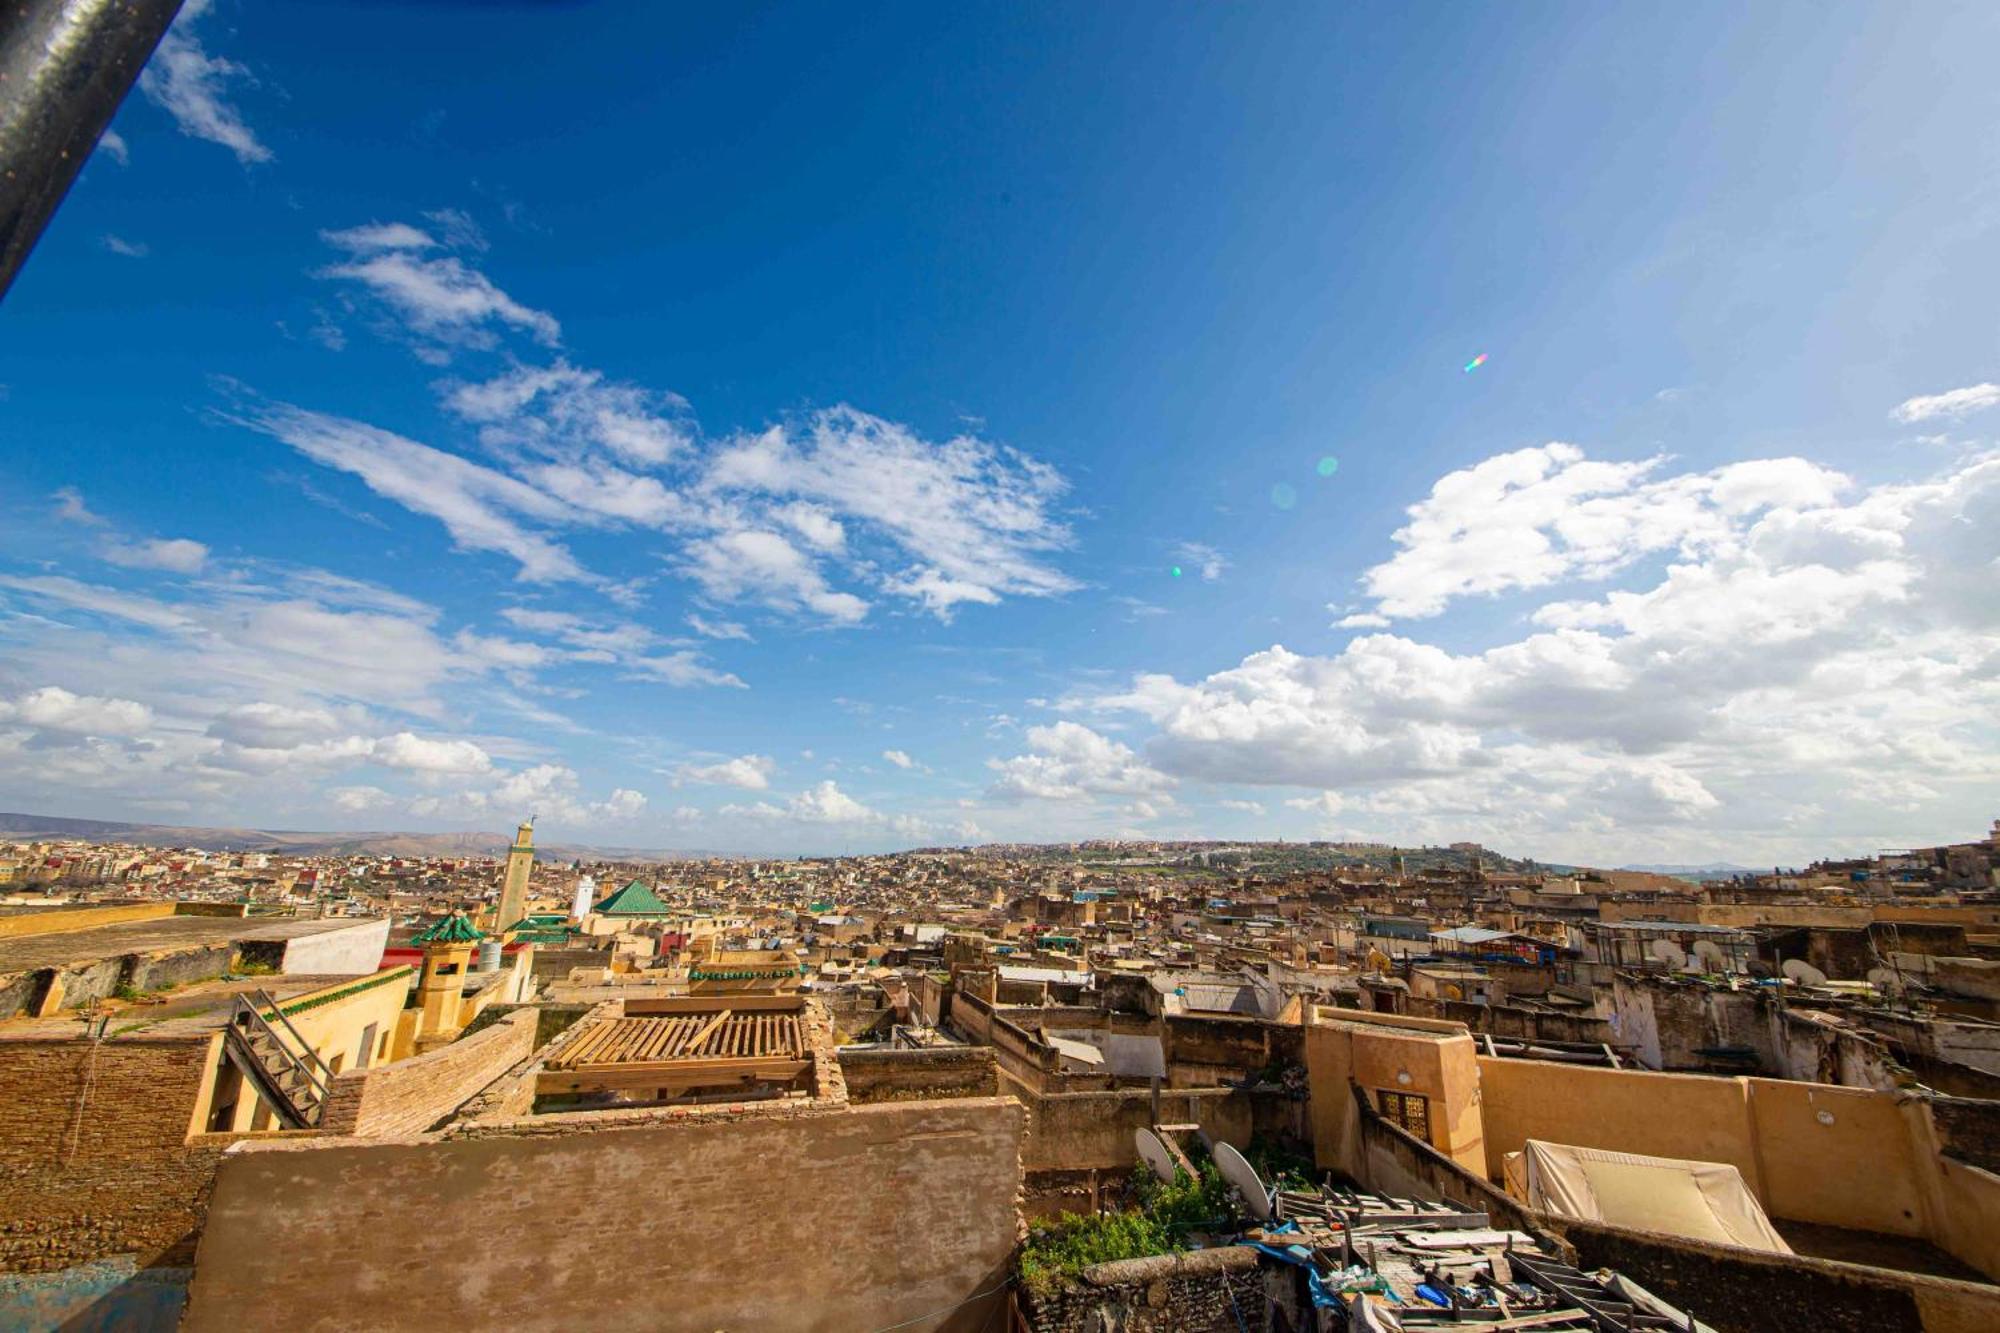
(403, 973)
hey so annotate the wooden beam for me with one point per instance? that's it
(670, 1074)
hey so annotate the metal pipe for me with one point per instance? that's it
(65, 65)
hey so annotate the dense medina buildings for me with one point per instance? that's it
(1123, 1085)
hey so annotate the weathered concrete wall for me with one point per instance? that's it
(351, 951)
(413, 1095)
(111, 1295)
(920, 1075)
(668, 1227)
(1075, 1131)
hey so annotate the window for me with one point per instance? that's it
(1409, 1111)
(365, 1055)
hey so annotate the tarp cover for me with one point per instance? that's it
(1700, 1200)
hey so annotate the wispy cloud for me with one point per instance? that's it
(193, 87)
(112, 144)
(1951, 405)
(1205, 560)
(118, 245)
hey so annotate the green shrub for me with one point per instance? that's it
(1167, 1214)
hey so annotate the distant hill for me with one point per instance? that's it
(1713, 870)
(304, 843)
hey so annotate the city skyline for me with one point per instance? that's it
(977, 438)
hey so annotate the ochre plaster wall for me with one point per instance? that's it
(829, 1223)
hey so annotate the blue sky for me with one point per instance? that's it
(776, 430)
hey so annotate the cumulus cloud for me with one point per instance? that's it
(52, 708)
(899, 759)
(1068, 761)
(824, 803)
(194, 87)
(1825, 664)
(1951, 405)
(1538, 516)
(751, 772)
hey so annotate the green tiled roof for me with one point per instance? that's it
(454, 929)
(635, 899)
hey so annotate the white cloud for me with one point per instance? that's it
(70, 508)
(717, 629)
(423, 754)
(766, 566)
(478, 506)
(178, 555)
(360, 799)
(52, 708)
(899, 759)
(118, 245)
(1952, 405)
(824, 803)
(751, 772)
(1537, 516)
(436, 296)
(113, 146)
(563, 412)
(1068, 761)
(1805, 673)
(1207, 561)
(193, 87)
(1243, 807)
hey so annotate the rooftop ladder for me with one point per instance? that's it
(291, 1077)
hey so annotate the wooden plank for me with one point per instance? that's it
(694, 1045)
(598, 1034)
(670, 1074)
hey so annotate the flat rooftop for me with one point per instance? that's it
(190, 1011)
(164, 934)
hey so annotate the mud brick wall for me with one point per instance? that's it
(920, 1075)
(413, 1095)
(95, 1154)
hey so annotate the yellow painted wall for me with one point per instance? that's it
(80, 918)
(1437, 1061)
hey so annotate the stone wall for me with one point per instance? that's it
(413, 1095)
(1968, 1129)
(95, 1154)
(920, 1075)
(1207, 1291)
(351, 951)
(696, 1226)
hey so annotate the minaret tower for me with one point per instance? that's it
(514, 888)
(586, 898)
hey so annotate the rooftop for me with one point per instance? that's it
(159, 934)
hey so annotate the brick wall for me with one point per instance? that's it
(411, 1096)
(95, 1157)
(1074, 1131)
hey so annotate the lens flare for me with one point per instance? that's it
(1475, 363)
(1177, 571)
(1328, 466)
(1284, 495)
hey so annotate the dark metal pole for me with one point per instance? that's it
(65, 65)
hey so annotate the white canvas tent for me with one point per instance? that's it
(1699, 1200)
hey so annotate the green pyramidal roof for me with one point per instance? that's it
(454, 929)
(635, 899)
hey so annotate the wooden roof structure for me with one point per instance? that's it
(675, 1046)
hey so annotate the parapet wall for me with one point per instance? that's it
(413, 1095)
(1078, 1131)
(1207, 1291)
(694, 1226)
(927, 1074)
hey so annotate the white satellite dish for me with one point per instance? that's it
(1244, 1177)
(1885, 978)
(1667, 952)
(1711, 955)
(1799, 970)
(1154, 1154)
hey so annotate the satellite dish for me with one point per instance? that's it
(1885, 978)
(1244, 1177)
(1667, 952)
(1711, 955)
(1154, 1154)
(1799, 970)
